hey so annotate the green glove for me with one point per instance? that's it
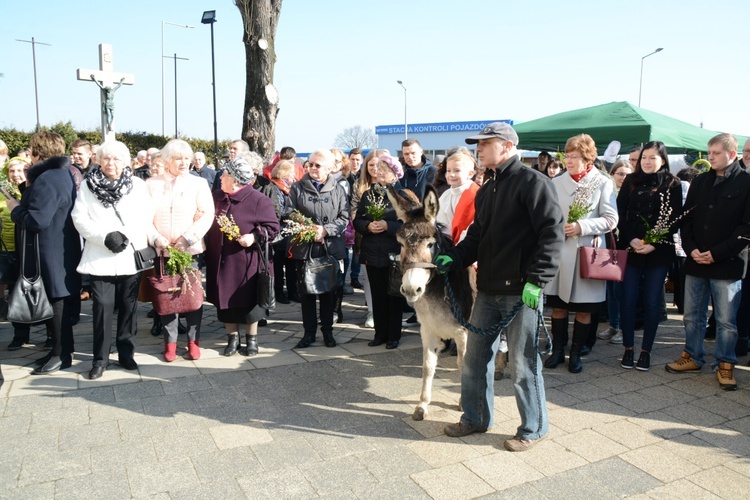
(444, 263)
(530, 295)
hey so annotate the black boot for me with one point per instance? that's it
(580, 333)
(588, 345)
(231, 348)
(328, 339)
(156, 327)
(252, 345)
(305, 341)
(339, 299)
(559, 341)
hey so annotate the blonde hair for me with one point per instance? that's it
(365, 181)
(282, 169)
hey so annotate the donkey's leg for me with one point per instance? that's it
(460, 338)
(430, 347)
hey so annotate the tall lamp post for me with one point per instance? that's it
(209, 17)
(175, 87)
(640, 85)
(34, 43)
(162, 66)
(406, 127)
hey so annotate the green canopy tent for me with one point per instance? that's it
(616, 121)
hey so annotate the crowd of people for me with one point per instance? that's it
(521, 227)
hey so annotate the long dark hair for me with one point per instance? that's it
(665, 177)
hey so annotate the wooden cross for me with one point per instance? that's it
(108, 82)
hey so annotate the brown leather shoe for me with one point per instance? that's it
(517, 444)
(686, 364)
(461, 429)
(725, 376)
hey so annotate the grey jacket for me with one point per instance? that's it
(328, 207)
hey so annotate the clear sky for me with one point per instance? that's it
(338, 62)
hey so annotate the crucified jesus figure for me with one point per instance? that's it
(108, 106)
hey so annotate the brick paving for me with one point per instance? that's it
(336, 422)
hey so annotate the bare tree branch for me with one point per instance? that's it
(356, 137)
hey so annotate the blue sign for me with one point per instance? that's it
(432, 128)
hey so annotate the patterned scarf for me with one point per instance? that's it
(106, 191)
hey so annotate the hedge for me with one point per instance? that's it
(136, 141)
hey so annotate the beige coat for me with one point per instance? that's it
(183, 207)
(567, 283)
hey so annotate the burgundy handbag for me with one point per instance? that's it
(603, 263)
(171, 295)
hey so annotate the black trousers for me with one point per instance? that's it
(386, 309)
(59, 326)
(309, 309)
(106, 291)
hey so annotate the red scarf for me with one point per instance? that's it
(579, 176)
(281, 185)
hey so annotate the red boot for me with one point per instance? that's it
(194, 351)
(170, 351)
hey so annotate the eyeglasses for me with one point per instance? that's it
(111, 159)
(620, 174)
(571, 157)
(315, 165)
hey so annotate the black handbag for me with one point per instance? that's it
(266, 294)
(395, 275)
(28, 302)
(320, 274)
(144, 259)
(8, 265)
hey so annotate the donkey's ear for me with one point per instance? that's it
(431, 205)
(400, 204)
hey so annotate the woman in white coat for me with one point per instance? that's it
(591, 196)
(113, 213)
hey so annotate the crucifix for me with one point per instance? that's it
(108, 82)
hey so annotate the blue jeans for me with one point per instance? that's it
(726, 295)
(652, 279)
(354, 274)
(477, 378)
(614, 302)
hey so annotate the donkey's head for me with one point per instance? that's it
(420, 239)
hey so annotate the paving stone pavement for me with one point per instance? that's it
(336, 422)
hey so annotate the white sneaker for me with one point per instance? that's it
(616, 339)
(607, 334)
(369, 322)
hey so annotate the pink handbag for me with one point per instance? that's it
(602, 263)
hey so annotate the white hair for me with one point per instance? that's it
(327, 156)
(115, 148)
(174, 148)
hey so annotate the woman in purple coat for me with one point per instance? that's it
(232, 258)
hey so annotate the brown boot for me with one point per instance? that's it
(725, 375)
(685, 364)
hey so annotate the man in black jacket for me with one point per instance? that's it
(516, 239)
(420, 171)
(715, 233)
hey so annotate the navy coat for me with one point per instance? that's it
(45, 209)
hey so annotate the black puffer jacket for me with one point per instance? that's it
(720, 215)
(640, 201)
(328, 208)
(517, 234)
(375, 248)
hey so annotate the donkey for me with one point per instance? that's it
(421, 241)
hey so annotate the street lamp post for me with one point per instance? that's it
(34, 43)
(406, 126)
(175, 87)
(640, 85)
(209, 17)
(162, 66)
